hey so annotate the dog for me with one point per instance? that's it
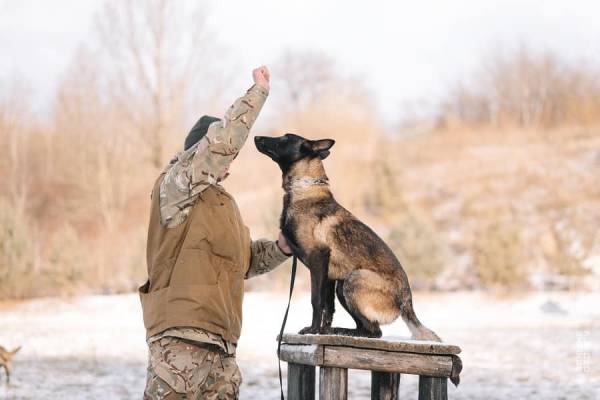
(5, 360)
(344, 256)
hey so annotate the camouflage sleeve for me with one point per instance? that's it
(225, 138)
(265, 257)
(206, 162)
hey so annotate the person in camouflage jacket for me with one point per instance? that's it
(189, 362)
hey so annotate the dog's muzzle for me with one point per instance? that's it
(261, 145)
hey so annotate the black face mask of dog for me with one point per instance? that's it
(289, 148)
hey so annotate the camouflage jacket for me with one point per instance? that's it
(205, 164)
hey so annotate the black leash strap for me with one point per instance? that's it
(294, 263)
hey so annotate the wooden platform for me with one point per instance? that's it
(388, 343)
(387, 358)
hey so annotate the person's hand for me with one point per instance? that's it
(283, 245)
(261, 76)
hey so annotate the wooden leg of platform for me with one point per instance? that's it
(333, 383)
(432, 388)
(384, 385)
(301, 382)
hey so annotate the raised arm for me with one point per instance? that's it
(225, 138)
(206, 162)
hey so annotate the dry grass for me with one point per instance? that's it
(508, 199)
(527, 89)
(518, 202)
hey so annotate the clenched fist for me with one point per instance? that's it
(261, 76)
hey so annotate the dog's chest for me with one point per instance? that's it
(299, 228)
(308, 230)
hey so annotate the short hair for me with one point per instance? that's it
(199, 130)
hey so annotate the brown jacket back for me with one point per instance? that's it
(196, 270)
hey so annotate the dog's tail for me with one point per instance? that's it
(417, 329)
(15, 351)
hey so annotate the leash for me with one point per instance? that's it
(293, 278)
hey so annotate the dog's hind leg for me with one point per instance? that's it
(363, 326)
(369, 297)
(417, 329)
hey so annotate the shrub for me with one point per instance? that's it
(498, 257)
(419, 248)
(18, 252)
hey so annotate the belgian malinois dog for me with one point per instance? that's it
(344, 256)
(5, 360)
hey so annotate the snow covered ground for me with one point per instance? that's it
(535, 346)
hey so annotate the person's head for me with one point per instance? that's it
(199, 130)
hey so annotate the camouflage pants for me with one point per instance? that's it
(179, 370)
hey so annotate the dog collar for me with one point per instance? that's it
(303, 183)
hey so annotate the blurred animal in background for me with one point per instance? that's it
(344, 256)
(5, 360)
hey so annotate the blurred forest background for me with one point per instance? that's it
(497, 188)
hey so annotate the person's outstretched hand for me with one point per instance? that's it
(261, 76)
(283, 245)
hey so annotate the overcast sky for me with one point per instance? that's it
(406, 50)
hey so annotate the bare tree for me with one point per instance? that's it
(14, 114)
(304, 75)
(309, 82)
(19, 250)
(76, 180)
(156, 50)
(527, 89)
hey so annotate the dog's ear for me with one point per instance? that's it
(321, 147)
(323, 154)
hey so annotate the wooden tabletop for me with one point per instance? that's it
(388, 343)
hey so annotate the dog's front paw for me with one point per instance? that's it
(309, 330)
(326, 330)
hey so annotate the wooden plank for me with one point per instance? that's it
(433, 388)
(376, 360)
(302, 354)
(385, 385)
(301, 382)
(386, 343)
(333, 383)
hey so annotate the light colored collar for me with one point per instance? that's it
(306, 182)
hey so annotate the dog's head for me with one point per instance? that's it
(289, 149)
